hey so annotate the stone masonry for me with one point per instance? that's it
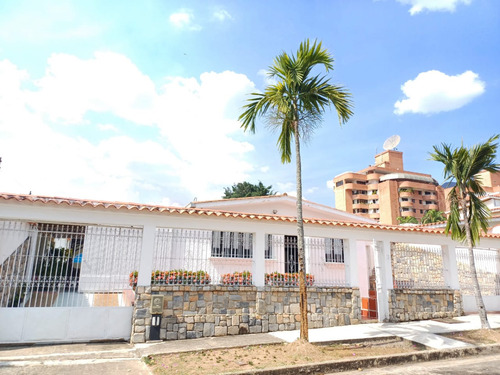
(406, 305)
(203, 311)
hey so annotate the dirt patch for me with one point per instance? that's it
(476, 337)
(226, 361)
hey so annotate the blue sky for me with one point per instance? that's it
(138, 101)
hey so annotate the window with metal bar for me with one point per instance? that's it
(232, 245)
(334, 250)
(269, 254)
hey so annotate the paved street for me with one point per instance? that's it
(122, 357)
(468, 366)
(118, 366)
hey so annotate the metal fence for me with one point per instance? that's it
(62, 265)
(324, 261)
(417, 266)
(184, 256)
(487, 268)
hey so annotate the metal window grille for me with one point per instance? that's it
(487, 269)
(63, 265)
(325, 260)
(416, 266)
(283, 269)
(185, 256)
(334, 250)
(269, 253)
(232, 244)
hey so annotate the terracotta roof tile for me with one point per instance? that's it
(208, 212)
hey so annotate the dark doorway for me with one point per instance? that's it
(291, 254)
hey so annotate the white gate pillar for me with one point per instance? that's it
(259, 262)
(450, 271)
(383, 275)
(146, 258)
(351, 263)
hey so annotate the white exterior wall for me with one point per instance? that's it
(149, 221)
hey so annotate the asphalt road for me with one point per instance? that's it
(478, 365)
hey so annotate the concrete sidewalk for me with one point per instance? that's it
(424, 332)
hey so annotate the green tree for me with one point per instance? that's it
(433, 216)
(407, 220)
(246, 189)
(294, 105)
(468, 216)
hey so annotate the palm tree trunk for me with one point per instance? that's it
(472, 263)
(304, 324)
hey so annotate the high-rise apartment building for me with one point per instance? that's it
(384, 191)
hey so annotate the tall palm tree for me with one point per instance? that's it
(295, 105)
(433, 216)
(468, 214)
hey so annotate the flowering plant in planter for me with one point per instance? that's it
(237, 278)
(174, 277)
(287, 279)
(132, 279)
(180, 277)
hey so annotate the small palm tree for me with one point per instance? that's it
(433, 216)
(468, 214)
(407, 220)
(295, 105)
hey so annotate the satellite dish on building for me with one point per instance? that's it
(391, 142)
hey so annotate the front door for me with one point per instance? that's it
(291, 254)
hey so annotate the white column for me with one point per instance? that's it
(383, 274)
(450, 271)
(351, 263)
(259, 262)
(146, 259)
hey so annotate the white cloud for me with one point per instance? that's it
(268, 80)
(286, 187)
(311, 190)
(107, 127)
(183, 19)
(109, 82)
(434, 91)
(222, 15)
(195, 148)
(330, 184)
(264, 169)
(418, 6)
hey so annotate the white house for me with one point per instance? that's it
(66, 265)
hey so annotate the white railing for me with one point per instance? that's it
(487, 268)
(184, 256)
(64, 265)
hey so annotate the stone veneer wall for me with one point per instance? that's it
(202, 311)
(406, 304)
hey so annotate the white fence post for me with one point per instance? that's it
(351, 263)
(259, 263)
(450, 271)
(383, 274)
(146, 258)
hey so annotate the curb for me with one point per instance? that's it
(379, 361)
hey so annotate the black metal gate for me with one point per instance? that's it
(291, 254)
